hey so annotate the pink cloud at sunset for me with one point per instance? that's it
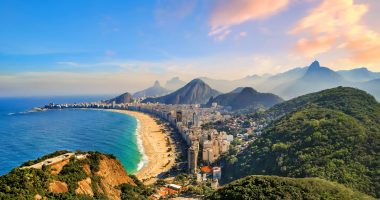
(229, 13)
(337, 25)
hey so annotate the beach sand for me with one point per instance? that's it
(161, 155)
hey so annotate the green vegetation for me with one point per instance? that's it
(138, 192)
(273, 187)
(201, 189)
(333, 134)
(72, 173)
(26, 183)
(23, 183)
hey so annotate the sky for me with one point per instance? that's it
(90, 47)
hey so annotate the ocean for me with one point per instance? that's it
(28, 135)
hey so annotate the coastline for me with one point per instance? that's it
(157, 149)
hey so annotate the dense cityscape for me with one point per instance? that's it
(205, 145)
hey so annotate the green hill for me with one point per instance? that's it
(274, 187)
(246, 98)
(333, 134)
(91, 175)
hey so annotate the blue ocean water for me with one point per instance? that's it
(27, 136)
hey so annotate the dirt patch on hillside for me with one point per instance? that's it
(86, 169)
(58, 187)
(84, 187)
(113, 174)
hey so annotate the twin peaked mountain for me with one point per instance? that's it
(195, 92)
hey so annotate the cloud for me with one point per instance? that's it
(227, 13)
(315, 46)
(337, 25)
(69, 63)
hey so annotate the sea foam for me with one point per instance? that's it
(144, 158)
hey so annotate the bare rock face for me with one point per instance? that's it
(84, 187)
(113, 174)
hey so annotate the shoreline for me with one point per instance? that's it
(157, 148)
(144, 158)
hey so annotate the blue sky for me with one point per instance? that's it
(111, 46)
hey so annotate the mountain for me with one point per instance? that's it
(155, 91)
(316, 73)
(359, 75)
(333, 134)
(80, 175)
(220, 85)
(174, 84)
(274, 187)
(237, 90)
(195, 92)
(316, 78)
(228, 85)
(246, 98)
(301, 80)
(372, 87)
(124, 98)
(274, 83)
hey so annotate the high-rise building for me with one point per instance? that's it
(179, 116)
(208, 155)
(215, 148)
(196, 120)
(192, 155)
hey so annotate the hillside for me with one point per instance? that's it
(84, 175)
(246, 98)
(274, 187)
(124, 98)
(195, 92)
(155, 91)
(333, 134)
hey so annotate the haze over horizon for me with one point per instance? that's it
(108, 47)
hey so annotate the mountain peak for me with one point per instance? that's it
(156, 84)
(196, 81)
(195, 92)
(248, 90)
(315, 65)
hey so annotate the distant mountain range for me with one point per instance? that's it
(195, 92)
(247, 97)
(155, 91)
(303, 80)
(174, 84)
(290, 84)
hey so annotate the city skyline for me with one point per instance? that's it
(103, 47)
